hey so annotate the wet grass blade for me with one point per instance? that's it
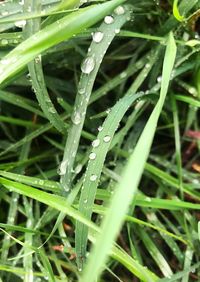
(68, 26)
(127, 188)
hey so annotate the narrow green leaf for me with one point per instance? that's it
(130, 178)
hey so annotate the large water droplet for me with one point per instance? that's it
(119, 10)
(92, 156)
(88, 65)
(97, 36)
(108, 19)
(107, 139)
(95, 143)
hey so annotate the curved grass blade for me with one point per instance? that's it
(95, 165)
(51, 35)
(36, 72)
(127, 188)
(102, 39)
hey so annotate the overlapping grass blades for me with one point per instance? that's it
(127, 188)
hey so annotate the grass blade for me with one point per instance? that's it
(128, 185)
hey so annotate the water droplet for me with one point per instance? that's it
(97, 36)
(95, 143)
(21, 2)
(38, 59)
(78, 168)
(107, 139)
(100, 128)
(88, 65)
(148, 199)
(41, 182)
(4, 42)
(123, 74)
(20, 24)
(5, 61)
(5, 13)
(159, 79)
(93, 177)
(119, 10)
(62, 168)
(92, 156)
(76, 118)
(108, 19)
(117, 30)
(81, 91)
(52, 110)
(85, 201)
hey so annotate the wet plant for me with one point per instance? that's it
(99, 149)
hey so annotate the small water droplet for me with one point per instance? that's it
(41, 182)
(88, 65)
(85, 201)
(5, 61)
(92, 156)
(52, 110)
(95, 143)
(107, 139)
(38, 59)
(4, 42)
(81, 91)
(20, 24)
(93, 177)
(78, 168)
(123, 74)
(97, 36)
(100, 128)
(119, 10)
(117, 30)
(108, 19)
(62, 168)
(159, 78)
(76, 118)
(148, 199)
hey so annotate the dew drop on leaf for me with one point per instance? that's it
(119, 10)
(93, 177)
(108, 19)
(92, 156)
(97, 36)
(107, 139)
(95, 143)
(88, 65)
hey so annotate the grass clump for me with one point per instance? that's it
(99, 169)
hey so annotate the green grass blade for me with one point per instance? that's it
(131, 177)
(51, 35)
(102, 39)
(97, 157)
